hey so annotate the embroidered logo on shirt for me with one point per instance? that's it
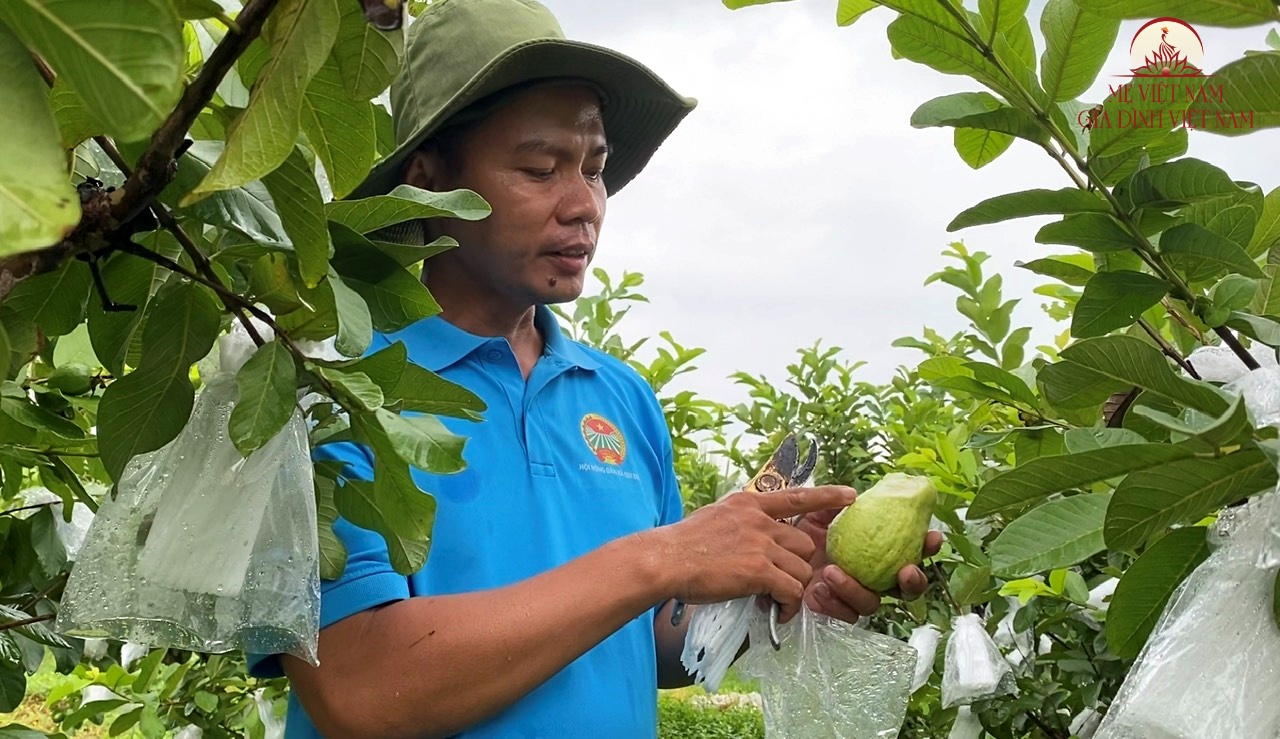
(604, 439)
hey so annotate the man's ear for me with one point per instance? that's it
(425, 169)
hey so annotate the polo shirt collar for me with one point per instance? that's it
(440, 344)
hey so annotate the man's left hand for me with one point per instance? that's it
(835, 594)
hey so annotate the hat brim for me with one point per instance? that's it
(640, 111)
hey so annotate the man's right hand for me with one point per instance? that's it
(737, 546)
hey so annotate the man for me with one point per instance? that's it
(544, 607)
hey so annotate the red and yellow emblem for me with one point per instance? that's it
(604, 439)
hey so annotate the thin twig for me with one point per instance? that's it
(1176, 314)
(1046, 728)
(32, 507)
(28, 621)
(52, 586)
(1167, 348)
(946, 591)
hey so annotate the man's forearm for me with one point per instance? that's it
(432, 666)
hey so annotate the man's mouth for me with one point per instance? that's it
(571, 260)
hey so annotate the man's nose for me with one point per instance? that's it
(581, 201)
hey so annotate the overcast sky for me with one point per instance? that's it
(797, 203)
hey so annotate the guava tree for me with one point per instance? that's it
(1110, 448)
(169, 169)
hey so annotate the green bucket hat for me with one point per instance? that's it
(461, 52)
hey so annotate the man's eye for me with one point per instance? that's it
(593, 174)
(539, 174)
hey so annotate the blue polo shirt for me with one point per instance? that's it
(572, 458)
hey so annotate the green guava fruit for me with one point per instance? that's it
(71, 379)
(883, 530)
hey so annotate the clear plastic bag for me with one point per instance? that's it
(1211, 668)
(202, 548)
(966, 726)
(923, 639)
(830, 679)
(974, 668)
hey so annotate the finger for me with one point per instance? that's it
(785, 589)
(849, 591)
(820, 600)
(796, 567)
(823, 519)
(796, 541)
(911, 582)
(932, 543)
(794, 501)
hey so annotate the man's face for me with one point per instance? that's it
(538, 161)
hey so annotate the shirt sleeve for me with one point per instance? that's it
(368, 580)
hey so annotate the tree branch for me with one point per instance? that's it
(28, 621)
(1167, 348)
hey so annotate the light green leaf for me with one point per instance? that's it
(128, 69)
(1077, 43)
(1266, 235)
(1113, 300)
(1091, 370)
(1178, 182)
(1147, 585)
(409, 254)
(76, 123)
(1029, 203)
(1267, 300)
(197, 9)
(300, 33)
(367, 58)
(1085, 439)
(1234, 293)
(54, 301)
(1044, 476)
(1147, 502)
(340, 131)
(296, 195)
(355, 326)
(1273, 39)
(1232, 217)
(333, 553)
(1058, 268)
(1203, 255)
(923, 42)
(406, 203)
(979, 148)
(356, 385)
(1059, 533)
(38, 205)
(1118, 166)
(1258, 328)
(1134, 115)
(1228, 13)
(979, 110)
(1230, 429)
(848, 11)
(268, 385)
(1095, 232)
(934, 13)
(423, 442)
(417, 388)
(41, 419)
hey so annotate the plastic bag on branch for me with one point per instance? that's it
(202, 548)
(924, 639)
(830, 679)
(1211, 669)
(974, 667)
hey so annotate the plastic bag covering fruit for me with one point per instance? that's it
(1211, 667)
(883, 530)
(204, 549)
(830, 679)
(974, 668)
(924, 639)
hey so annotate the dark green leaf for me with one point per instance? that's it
(197, 9)
(408, 254)
(333, 553)
(1115, 167)
(1147, 585)
(1233, 217)
(41, 419)
(979, 110)
(1203, 255)
(247, 209)
(923, 42)
(969, 584)
(1045, 476)
(406, 203)
(1059, 533)
(129, 71)
(1028, 203)
(1250, 96)
(1134, 115)
(395, 297)
(1231, 429)
(1084, 439)
(268, 385)
(417, 388)
(55, 301)
(1179, 182)
(355, 326)
(1118, 363)
(1059, 269)
(1095, 232)
(1148, 501)
(296, 195)
(13, 687)
(341, 132)
(1032, 444)
(1230, 13)
(1258, 328)
(1234, 292)
(1076, 46)
(141, 412)
(128, 281)
(1113, 300)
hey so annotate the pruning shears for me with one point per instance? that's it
(784, 470)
